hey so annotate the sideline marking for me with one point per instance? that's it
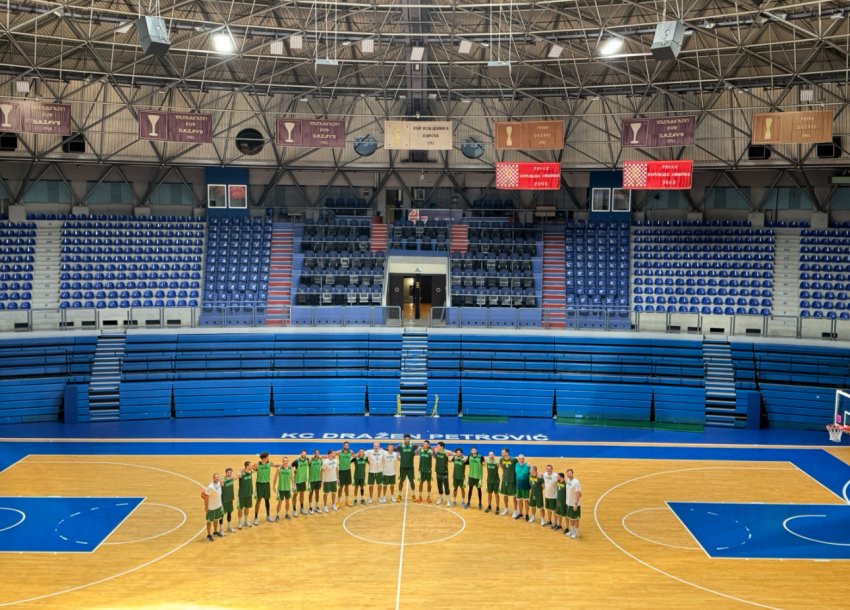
(401, 552)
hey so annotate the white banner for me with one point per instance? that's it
(418, 135)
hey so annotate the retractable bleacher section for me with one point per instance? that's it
(34, 373)
(709, 268)
(574, 377)
(797, 382)
(17, 258)
(825, 273)
(111, 262)
(255, 374)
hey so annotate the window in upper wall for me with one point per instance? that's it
(109, 193)
(666, 200)
(788, 198)
(171, 193)
(727, 198)
(48, 191)
(840, 199)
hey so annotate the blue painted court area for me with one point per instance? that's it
(768, 531)
(60, 525)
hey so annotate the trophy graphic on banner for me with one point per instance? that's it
(398, 132)
(289, 126)
(768, 129)
(635, 127)
(6, 114)
(508, 132)
(153, 119)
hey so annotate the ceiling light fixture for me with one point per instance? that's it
(367, 45)
(464, 47)
(276, 47)
(555, 51)
(125, 27)
(223, 43)
(296, 41)
(610, 46)
(417, 53)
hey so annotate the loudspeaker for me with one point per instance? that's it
(830, 150)
(8, 142)
(327, 67)
(668, 40)
(758, 153)
(500, 70)
(153, 37)
(75, 144)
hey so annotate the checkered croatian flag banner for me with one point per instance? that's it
(528, 176)
(507, 175)
(657, 175)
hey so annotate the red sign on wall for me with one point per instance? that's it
(528, 176)
(658, 175)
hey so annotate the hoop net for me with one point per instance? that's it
(835, 432)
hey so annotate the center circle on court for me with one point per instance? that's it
(10, 518)
(420, 524)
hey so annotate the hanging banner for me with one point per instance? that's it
(653, 133)
(27, 116)
(528, 176)
(182, 127)
(310, 133)
(530, 135)
(657, 175)
(798, 127)
(418, 135)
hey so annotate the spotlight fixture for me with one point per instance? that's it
(610, 46)
(223, 43)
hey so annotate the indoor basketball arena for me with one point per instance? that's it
(344, 304)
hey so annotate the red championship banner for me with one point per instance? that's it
(528, 176)
(658, 175)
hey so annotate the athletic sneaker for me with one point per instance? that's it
(335, 507)
(304, 511)
(398, 498)
(567, 532)
(370, 501)
(256, 521)
(463, 504)
(210, 538)
(530, 519)
(239, 526)
(428, 500)
(394, 500)
(543, 523)
(326, 510)
(488, 509)
(230, 530)
(269, 519)
(277, 518)
(504, 512)
(294, 514)
(287, 517)
(220, 535)
(440, 501)
(480, 507)
(516, 515)
(573, 535)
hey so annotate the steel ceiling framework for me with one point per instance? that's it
(739, 57)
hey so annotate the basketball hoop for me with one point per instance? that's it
(835, 432)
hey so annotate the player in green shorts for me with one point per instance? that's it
(573, 502)
(283, 484)
(264, 472)
(508, 488)
(246, 492)
(426, 457)
(375, 455)
(315, 479)
(330, 479)
(535, 496)
(561, 505)
(550, 497)
(388, 463)
(523, 486)
(458, 475)
(301, 466)
(212, 507)
(441, 469)
(345, 457)
(476, 468)
(492, 464)
(227, 485)
(406, 451)
(360, 463)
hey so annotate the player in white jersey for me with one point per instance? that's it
(573, 503)
(330, 478)
(390, 459)
(376, 457)
(550, 496)
(213, 507)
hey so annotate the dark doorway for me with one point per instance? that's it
(417, 293)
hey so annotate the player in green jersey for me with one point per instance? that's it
(246, 492)
(561, 505)
(301, 466)
(360, 463)
(264, 472)
(458, 475)
(508, 487)
(283, 485)
(344, 458)
(535, 495)
(441, 469)
(426, 457)
(315, 478)
(492, 464)
(227, 485)
(406, 451)
(476, 470)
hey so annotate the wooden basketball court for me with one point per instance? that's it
(633, 551)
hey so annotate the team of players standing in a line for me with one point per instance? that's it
(553, 497)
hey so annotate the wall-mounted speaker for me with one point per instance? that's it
(829, 150)
(758, 153)
(153, 37)
(74, 144)
(8, 142)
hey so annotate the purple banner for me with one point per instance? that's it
(310, 133)
(163, 126)
(654, 133)
(25, 116)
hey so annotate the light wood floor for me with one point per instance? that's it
(451, 557)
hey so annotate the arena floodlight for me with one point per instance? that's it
(610, 46)
(223, 43)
